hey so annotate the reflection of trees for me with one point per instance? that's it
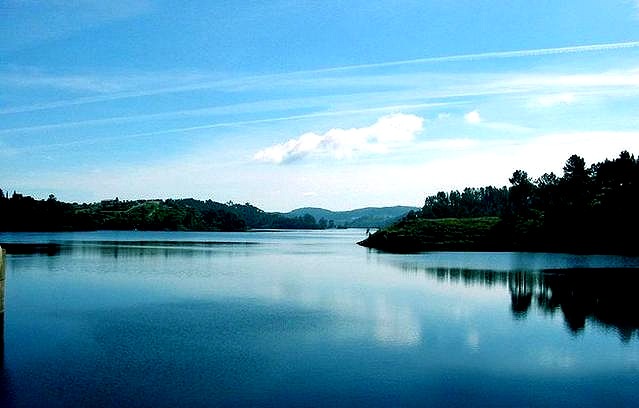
(30, 249)
(130, 249)
(606, 297)
(521, 292)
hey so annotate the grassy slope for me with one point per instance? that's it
(450, 234)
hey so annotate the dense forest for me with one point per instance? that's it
(588, 209)
(24, 213)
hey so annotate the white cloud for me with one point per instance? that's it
(472, 117)
(379, 182)
(548, 101)
(389, 131)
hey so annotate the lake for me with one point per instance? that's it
(308, 318)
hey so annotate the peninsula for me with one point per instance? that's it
(586, 210)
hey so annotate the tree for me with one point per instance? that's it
(547, 190)
(575, 185)
(309, 220)
(575, 169)
(521, 192)
(441, 205)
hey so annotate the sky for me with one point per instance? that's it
(287, 104)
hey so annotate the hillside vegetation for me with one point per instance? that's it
(24, 213)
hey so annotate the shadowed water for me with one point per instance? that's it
(307, 318)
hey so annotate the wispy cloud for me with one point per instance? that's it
(492, 55)
(83, 141)
(276, 108)
(389, 131)
(113, 84)
(472, 117)
(111, 91)
(548, 101)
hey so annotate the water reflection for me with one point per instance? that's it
(31, 249)
(521, 286)
(132, 249)
(605, 297)
(304, 319)
(396, 325)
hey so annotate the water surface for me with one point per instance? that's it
(307, 318)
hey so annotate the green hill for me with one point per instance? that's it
(24, 213)
(369, 217)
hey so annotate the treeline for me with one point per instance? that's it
(24, 213)
(609, 188)
(586, 209)
(470, 203)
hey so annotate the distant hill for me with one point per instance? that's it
(24, 213)
(369, 217)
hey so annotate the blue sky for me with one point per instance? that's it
(309, 103)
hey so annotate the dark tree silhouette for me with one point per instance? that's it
(521, 193)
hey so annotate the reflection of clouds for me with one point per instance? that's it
(387, 320)
(347, 303)
(396, 325)
(393, 324)
(472, 339)
(633, 361)
(556, 359)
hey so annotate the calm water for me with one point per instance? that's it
(296, 318)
